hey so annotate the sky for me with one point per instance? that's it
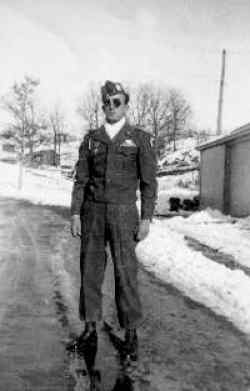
(68, 44)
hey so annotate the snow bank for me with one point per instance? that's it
(46, 186)
(185, 152)
(170, 181)
(224, 233)
(224, 291)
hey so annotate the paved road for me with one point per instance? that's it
(183, 346)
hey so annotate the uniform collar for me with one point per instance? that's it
(101, 135)
(124, 133)
(116, 127)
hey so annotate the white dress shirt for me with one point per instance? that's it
(113, 129)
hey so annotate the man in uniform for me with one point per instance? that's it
(114, 160)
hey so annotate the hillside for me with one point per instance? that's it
(185, 155)
(178, 175)
(182, 185)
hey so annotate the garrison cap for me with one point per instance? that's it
(112, 88)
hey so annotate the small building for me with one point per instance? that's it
(225, 173)
(62, 137)
(9, 147)
(46, 156)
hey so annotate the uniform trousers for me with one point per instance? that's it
(116, 224)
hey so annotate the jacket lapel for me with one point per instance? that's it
(125, 132)
(101, 135)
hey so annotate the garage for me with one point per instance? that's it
(225, 173)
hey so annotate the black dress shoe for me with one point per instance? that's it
(123, 383)
(88, 337)
(131, 344)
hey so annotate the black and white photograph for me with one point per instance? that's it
(124, 195)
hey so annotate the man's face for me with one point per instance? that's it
(115, 108)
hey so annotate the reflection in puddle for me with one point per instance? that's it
(123, 383)
(88, 352)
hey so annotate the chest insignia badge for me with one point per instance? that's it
(128, 143)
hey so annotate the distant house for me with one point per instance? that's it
(8, 147)
(46, 156)
(8, 151)
(62, 137)
(225, 173)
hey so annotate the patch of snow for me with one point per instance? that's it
(224, 233)
(226, 292)
(185, 153)
(46, 186)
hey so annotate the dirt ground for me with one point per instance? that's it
(183, 346)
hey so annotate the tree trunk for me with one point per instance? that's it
(21, 158)
(59, 149)
(55, 148)
(20, 174)
(174, 145)
(96, 117)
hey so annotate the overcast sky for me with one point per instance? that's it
(68, 43)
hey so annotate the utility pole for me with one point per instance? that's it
(221, 93)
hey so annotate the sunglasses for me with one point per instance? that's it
(115, 102)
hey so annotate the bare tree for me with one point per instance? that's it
(90, 107)
(140, 105)
(58, 125)
(203, 135)
(180, 114)
(149, 108)
(163, 112)
(159, 116)
(26, 123)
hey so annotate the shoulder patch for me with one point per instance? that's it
(145, 135)
(84, 145)
(93, 131)
(152, 141)
(88, 137)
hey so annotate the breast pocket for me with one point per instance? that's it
(128, 156)
(128, 151)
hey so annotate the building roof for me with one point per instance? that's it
(238, 133)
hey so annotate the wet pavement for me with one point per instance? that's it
(183, 346)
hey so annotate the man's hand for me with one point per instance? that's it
(143, 230)
(75, 226)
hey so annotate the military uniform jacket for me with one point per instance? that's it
(111, 170)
